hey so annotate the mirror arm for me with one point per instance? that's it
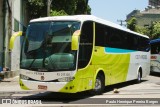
(12, 39)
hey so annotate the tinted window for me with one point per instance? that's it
(86, 44)
(155, 48)
(114, 39)
(100, 35)
(111, 37)
(143, 44)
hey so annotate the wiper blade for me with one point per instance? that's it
(32, 63)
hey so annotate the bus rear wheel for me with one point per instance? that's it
(139, 77)
(99, 85)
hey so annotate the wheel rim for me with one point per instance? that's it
(98, 84)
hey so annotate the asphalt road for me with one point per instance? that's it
(146, 93)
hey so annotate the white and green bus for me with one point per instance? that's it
(77, 53)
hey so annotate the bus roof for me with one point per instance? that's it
(83, 18)
(155, 41)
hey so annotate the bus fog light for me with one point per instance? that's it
(66, 79)
(24, 77)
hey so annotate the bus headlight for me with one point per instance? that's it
(66, 79)
(23, 77)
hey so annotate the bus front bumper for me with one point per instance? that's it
(47, 86)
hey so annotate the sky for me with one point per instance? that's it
(113, 10)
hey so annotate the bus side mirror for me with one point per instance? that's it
(13, 37)
(75, 40)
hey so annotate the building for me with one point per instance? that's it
(147, 16)
(154, 3)
(12, 18)
(1, 33)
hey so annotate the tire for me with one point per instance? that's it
(139, 77)
(99, 85)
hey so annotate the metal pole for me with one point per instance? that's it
(121, 22)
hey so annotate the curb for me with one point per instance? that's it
(8, 74)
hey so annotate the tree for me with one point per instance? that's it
(38, 8)
(142, 30)
(82, 7)
(156, 30)
(131, 24)
(71, 7)
(68, 6)
(59, 13)
(153, 31)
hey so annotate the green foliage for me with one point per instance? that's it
(36, 2)
(156, 30)
(142, 30)
(131, 24)
(88, 9)
(82, 7)
(38, 8)
(68, 6)
(152, 31)
(59, 13)
(71, 7)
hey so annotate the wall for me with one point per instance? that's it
(11, 22)
(1, 32)
(145, 18)
(16, 16)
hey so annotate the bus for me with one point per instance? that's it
(71, 54)
(155, 55)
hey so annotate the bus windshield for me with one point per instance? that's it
(47, 46)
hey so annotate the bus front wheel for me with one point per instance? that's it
(99, 85)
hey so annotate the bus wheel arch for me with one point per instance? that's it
(99, 84)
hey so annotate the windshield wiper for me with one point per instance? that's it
(32, 63)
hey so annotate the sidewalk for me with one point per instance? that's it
(10, 84)
(9, 87)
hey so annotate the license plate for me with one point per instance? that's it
(42, 87)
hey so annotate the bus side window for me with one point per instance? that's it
(86, 44)
(115, 39)
(143, 44)
(100, 35)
